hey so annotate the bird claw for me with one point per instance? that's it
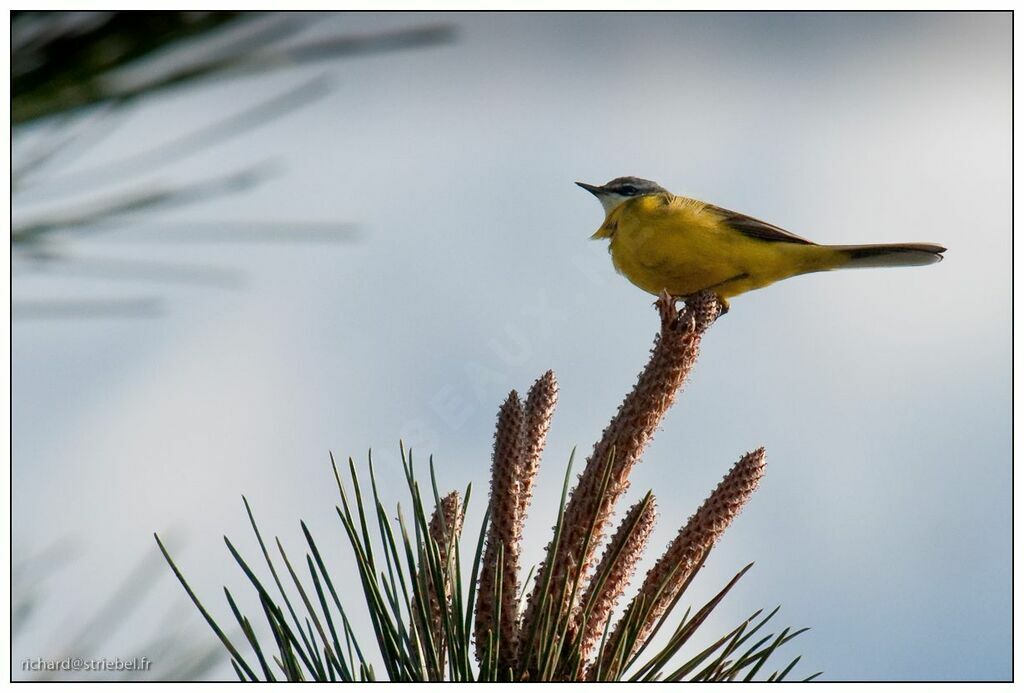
(667, 309)
(723, 307)
(705, 307)
(701, 309)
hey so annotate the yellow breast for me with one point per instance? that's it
(665, 242)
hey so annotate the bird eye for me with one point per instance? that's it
(627, 190)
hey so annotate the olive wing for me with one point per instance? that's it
(755, 228)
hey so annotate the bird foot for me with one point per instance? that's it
(667, 308)
(723, 306)
(706, 307)
(701, 309)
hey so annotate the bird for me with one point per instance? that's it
(669, 243)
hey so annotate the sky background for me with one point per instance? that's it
(881, 396)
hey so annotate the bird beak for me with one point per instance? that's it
(595, 190)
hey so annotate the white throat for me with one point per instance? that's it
(611, 200)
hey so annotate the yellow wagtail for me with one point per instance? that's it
(662, 241)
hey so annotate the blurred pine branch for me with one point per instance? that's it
(72, 76)
(63, 61)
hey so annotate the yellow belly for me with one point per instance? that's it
(684, 250)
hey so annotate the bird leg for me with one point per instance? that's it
(667, 309)
(723, 306)
(705, 307)
(701, 310)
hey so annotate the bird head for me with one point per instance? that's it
(615, 192)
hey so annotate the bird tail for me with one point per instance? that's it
(890, 254)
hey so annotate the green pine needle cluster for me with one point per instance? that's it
(313, 639)
(432, 620)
